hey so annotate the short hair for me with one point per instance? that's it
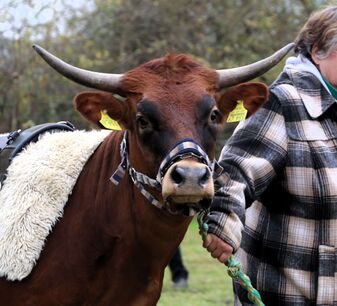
(319, 31)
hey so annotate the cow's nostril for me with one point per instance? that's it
(177, 175)
(204, 176)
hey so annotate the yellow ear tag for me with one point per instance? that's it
(239, 113)
(109, 123)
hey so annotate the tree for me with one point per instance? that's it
(116, 35)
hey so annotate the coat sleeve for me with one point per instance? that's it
(251, 158)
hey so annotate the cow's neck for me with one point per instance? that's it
(159, 225)
(158, 235)
(151, 235)
(156, 222)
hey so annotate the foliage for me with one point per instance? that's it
(116, 35)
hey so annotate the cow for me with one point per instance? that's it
(114, 241)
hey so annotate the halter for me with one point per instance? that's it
(184, 148)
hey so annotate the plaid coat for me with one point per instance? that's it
(282, 164)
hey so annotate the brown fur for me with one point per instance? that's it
(111, 247)
(102, 249)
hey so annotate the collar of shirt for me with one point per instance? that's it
(333, 90)
(315, 93)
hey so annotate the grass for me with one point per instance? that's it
(208, 281)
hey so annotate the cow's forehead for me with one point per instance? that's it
(174, 95)
(173, 103)
(174, 75)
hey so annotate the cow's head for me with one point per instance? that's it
(164, 102)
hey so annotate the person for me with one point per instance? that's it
(179, 273)
(277, 207)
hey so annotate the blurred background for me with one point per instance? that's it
(116, 35)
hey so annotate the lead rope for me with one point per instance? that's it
(234, 267)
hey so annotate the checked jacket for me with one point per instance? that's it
(278, 205)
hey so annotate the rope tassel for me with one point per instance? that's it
(234, 267)
(234, 271)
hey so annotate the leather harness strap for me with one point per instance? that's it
(185, 147)
(12, 143)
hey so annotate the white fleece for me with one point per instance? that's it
(40, 180)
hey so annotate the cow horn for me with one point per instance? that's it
(233, 76)
(103, 81)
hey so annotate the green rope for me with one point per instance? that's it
(234, 271)
(203, 226)
(234, 267)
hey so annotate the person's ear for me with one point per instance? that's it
(314, 56)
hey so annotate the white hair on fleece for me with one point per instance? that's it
(40, 180)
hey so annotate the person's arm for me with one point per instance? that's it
(251, 159)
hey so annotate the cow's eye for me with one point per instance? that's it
(143, 123)
(215, 116)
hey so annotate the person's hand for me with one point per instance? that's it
(218, 248)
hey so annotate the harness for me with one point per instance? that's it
(182, 149)
(12, 143)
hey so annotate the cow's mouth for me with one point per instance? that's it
(188, 206)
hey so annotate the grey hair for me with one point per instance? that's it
(329, 47)
(319, 31)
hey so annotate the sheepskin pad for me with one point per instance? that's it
(40, 180)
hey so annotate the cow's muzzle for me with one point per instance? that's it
(186, 176)
(187, 185)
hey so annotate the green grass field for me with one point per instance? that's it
(209, 283)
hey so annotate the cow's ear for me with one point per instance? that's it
(252, 94)
(91, 104)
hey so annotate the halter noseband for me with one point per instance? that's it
(184, 148)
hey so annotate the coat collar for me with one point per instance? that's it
(315, 96)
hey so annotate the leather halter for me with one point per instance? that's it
(184, 148)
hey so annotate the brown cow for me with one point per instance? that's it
(112, 246)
